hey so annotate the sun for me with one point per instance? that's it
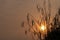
(42, 27)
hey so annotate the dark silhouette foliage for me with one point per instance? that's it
(54, 35)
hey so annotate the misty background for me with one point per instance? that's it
(13, 12)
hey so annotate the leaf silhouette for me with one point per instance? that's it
(32, 22)
(25, 32)
(22, 24)
(38, 8)
(59, 11)
(28, 17)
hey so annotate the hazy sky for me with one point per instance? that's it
(12, 12)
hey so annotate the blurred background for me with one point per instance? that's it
(13, 12)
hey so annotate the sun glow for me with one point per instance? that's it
(43, 27)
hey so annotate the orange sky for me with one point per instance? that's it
(12, 12)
